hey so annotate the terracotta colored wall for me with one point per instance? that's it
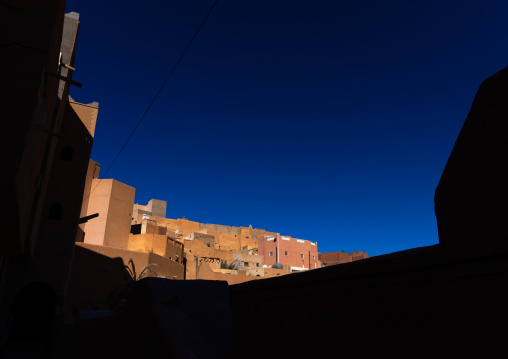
(166, 267)
(113, 201)
(335, 258)
(332, 258)
(174, 250)
(294, 247)
(359, 255)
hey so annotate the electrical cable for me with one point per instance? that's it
(156, 95)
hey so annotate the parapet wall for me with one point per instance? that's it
(220, 228)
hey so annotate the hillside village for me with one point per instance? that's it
(185, 249)
(74, 247)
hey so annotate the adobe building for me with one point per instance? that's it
(225, 237)
(112, 200)
(108, 240)
(299, 254)
(244, 248)
(46, 145)
(155, 208)
(333, 258)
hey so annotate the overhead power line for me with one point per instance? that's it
(158, 93)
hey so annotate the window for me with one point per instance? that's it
(286, 253)
(271, 254)
(313, 258)
(301, 255)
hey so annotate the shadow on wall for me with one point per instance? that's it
(32, 313)
(446, 300)
(94, 280)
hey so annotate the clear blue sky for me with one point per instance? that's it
(330, 121)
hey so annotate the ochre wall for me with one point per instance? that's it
(91, 173)
(226, 241)
(184, 226)
(335, 258)
(157, 243)
(332, 258)
(119, 216)
(113, 201)
(268, 272)
(87, 114)
(145, 243)
(98, 202)
(205, 272)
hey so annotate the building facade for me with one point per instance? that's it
(299, 254)
(333, 258)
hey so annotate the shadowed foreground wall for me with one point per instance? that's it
(447, 300)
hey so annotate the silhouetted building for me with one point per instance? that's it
(445, 300)
(46, 142)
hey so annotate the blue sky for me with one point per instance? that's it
(330, 121)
